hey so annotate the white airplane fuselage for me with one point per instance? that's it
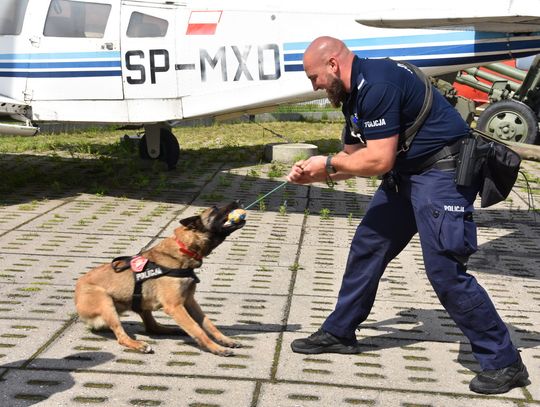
(132, 61)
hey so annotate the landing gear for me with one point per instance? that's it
(159, 143)
(510, 120)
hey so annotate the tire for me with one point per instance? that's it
(510, 120)
(143, 148)
(169, 149)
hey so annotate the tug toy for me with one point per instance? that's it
(236, 216)
(239, 215)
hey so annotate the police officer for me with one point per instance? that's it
(380, 99)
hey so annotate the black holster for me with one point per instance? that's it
(472, 154)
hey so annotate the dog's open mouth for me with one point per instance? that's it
(231, 224)
(229, 218)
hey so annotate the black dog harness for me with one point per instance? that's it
(144, 269)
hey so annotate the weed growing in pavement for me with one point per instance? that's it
(283, 209)
(262, 204)
(325, 214)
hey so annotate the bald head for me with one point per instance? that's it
(328, 63)
(323, 48)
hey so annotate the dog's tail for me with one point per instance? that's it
(96, 323)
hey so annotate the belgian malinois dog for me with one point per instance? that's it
(165, 279)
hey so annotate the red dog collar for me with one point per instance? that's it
(185, 250)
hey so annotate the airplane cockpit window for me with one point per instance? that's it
(142, 25)
(76, 19)
(12, 16)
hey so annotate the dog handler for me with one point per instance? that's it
(380, 99)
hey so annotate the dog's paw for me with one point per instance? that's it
(145, 348)
(221, 351)
(232, 344)
(228, 342)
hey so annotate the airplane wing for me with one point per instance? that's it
(512, 16)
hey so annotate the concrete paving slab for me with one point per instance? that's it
(20, 339)
(37, 301)
(234, 278)
(248, 253)
(66, 389)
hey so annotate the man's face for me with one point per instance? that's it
(323, 78)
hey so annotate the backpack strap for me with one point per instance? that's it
(411, 131)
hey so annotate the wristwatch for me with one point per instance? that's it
(330, 169)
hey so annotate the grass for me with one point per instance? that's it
(100, 161)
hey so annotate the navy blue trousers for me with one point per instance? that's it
(442, 214)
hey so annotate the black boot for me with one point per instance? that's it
(324, 342)
(498, 381)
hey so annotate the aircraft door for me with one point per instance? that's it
(148, 39)
(75, 51)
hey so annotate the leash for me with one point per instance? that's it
(265, 195)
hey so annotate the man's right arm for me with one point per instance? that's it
(376, 158)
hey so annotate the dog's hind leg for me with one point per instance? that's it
(198, 315)
(192, 328)
(95, 303)
(154, 327)
(110, 316)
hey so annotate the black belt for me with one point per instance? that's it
(443, 160)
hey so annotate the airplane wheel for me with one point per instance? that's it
(169, 149)
(143, 148)
(509, 120)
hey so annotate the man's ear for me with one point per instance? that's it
(193, 222)
(333, 64)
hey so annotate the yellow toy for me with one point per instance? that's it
(236, 216)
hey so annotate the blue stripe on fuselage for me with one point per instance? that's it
(59, 74)
(436, 50)
(59, 65)
(62, 55)
(450, 36)
(28, 64)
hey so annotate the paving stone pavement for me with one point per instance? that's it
(269, 283)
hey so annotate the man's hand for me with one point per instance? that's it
(307, 171)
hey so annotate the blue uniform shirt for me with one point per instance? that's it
(386, 98)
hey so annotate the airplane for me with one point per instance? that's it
(153, 62)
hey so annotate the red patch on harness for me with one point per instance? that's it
(137, 263)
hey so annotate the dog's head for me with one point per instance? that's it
(213, 224)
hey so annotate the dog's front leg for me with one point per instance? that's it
(188, 324)
(198, 315)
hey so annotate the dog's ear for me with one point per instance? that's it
(193, 222)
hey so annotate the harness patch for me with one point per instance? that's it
(137, 263)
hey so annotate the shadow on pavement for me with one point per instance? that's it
(27, 386)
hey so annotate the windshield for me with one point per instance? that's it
(12, 16)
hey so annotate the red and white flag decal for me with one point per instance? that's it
(203, 22)
(137, 263)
